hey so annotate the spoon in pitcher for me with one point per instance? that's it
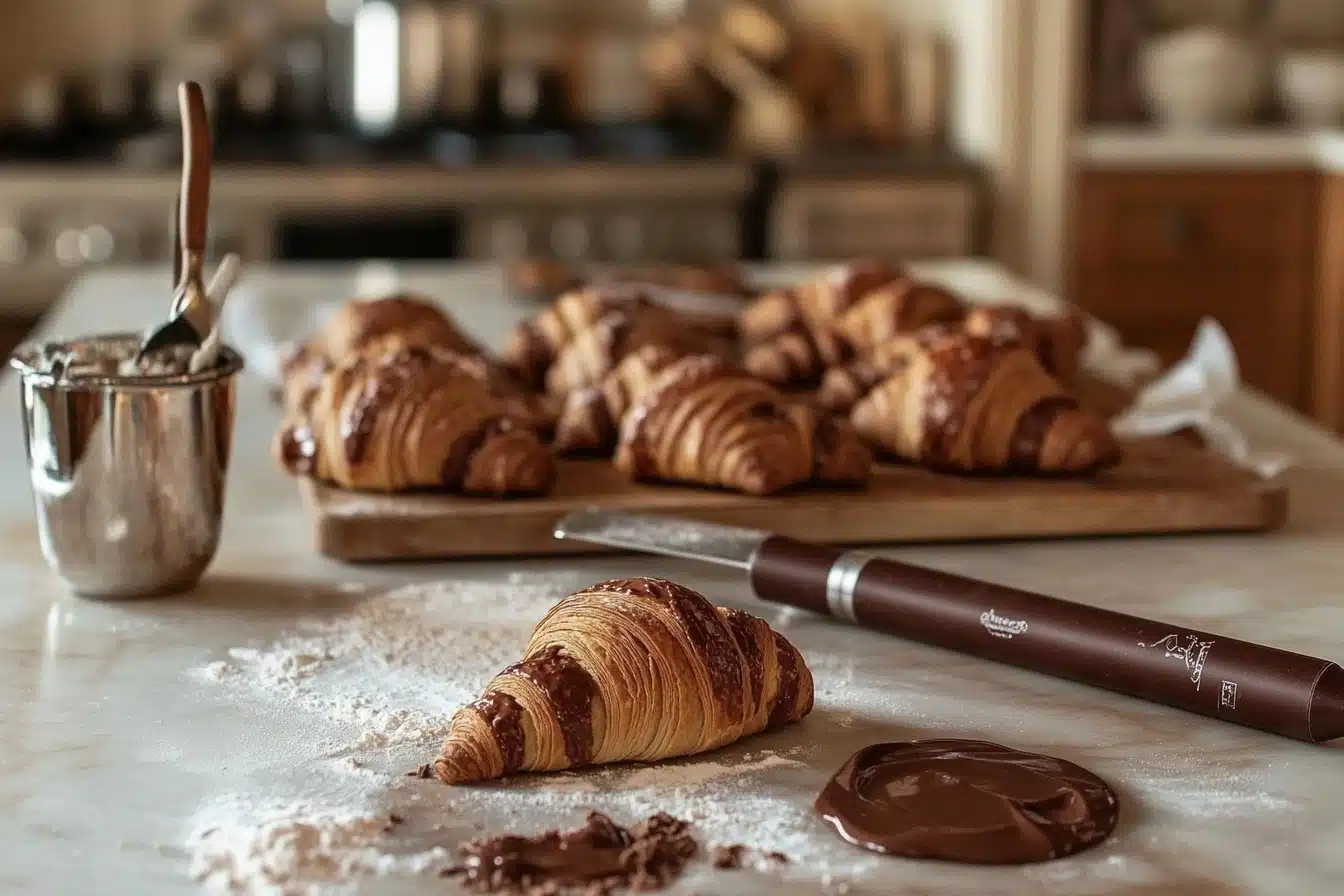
(191, 316)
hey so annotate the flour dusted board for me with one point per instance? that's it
(1164, 485)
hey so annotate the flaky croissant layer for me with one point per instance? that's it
(628, 670)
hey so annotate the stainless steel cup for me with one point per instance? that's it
(128, 472)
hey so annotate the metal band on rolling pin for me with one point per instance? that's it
(840, 584)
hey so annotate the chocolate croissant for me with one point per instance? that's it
(633, 670)
(895, 308)
(965, 405)
(591, 418)
(368, 327)
(705, 422)
(413, 419)
(814, 305)
(536, 343)
(1057, 341)
(595, 352)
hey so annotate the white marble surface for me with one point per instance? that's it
(109, 749)
(1133, 147)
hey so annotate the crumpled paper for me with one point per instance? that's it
(1189, 396)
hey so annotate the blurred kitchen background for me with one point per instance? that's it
(1152, 160)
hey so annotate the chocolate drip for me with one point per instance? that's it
(967, 801)
(790, 680)
(1033, 427)
(709, 635)
(743, 627)
(298, 449)
(502, 713)
(382, 385)
(569, 691)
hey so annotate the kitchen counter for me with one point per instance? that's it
(1137, 147)
(118, 737)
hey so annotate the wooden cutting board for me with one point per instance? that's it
(1163, 485)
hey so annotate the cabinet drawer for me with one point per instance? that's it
(1193, 218)
(924, 219)
(1261, 307)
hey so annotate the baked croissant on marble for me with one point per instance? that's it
(814, 304)
(591, 418)
(963, 404)
(413, 419)
(628, 670)
(705, 422)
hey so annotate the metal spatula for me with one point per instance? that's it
(191, 316)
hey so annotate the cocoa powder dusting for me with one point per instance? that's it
(600, 858)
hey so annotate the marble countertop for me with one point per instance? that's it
(1137, 147)
(110, 748)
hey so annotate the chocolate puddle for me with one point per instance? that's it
(967, 801)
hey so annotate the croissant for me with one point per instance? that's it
(534, 344)
(628, 670)
(816, 304)
(412, 419)
(591, 418)
(704, 422)
(397, 320)
(594, 352)
(795, 357)
(964, 404)
(901, 306)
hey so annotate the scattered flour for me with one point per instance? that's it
(295, 850)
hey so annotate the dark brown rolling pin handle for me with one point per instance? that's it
(1260, 687)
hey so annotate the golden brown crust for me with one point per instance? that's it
(705, 422)
(412, 419)
(628, 670)
(402, 320)
(965, 404)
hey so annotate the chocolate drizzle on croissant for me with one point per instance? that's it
(796, 357)
(535, 344)
(706, 422)
(966, 405)
(628, 670)
(596, 351)
(591, 418)
(413, 419)
(815, 304)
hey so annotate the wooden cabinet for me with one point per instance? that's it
(1327, 384)
(1157, 250)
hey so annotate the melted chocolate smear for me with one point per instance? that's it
(967, 801)
(570, 691)
(502, 713)
(601, 856)
(743, 627)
